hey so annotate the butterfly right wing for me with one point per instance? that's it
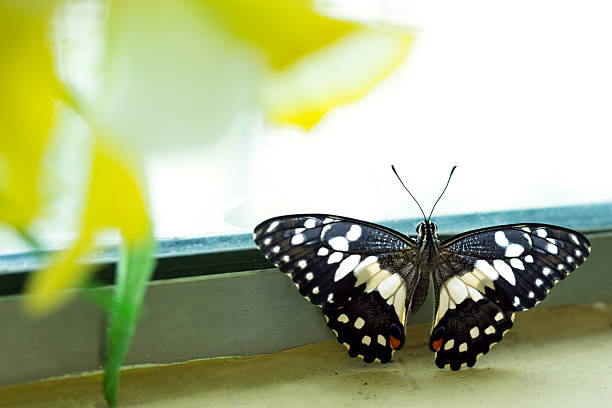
(351, 268)
(490, 274)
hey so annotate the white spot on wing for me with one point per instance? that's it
(499, 316)
(297, 239)
(334, 258)
(343, 318)
(366, 340)
(302, 264)
(374, 281)
(330, 298)
(399, 302)
(267, 241)
(528, 259)
(514, 250)
(474, 294)
(381, 340)
(475, 280)
(309, 276)
(339, 244)
(354, 233)
(389, 286)
(574, 239)
(541, 233)
(359, 323)
(504, 270)
(456, 289)
(463, 347)
(484, 279)
(449, 344)
(501, 239)
(552, 248)
(323, 251)
(539, 282)
(490, 330)
(346, 266)
(310, 223)
(276, 249)
(444, 304)
(366, 269)
(517, 264)
(474, 332)
(486, 268)
(273, 226)
(516, 301)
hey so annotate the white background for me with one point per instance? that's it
(517, 94)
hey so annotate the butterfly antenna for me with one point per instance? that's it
(445, 187)
(415, 200)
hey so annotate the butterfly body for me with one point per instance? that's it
(367, 277)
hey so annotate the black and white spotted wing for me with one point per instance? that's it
(353, 269)
(487, 275)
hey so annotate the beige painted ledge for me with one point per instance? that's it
(559, 357)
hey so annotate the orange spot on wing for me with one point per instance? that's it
(395, 343)
(437, 344)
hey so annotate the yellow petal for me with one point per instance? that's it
(115, 200)
(29, 88)
(317, 62)
(47, 286)
(285, 30)
(338, 74)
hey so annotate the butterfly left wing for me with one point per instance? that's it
(486, 275)
(351, 268)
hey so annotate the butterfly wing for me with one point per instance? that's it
(487, 275)
(352, 269)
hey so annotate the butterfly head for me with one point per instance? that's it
(427, 241)
(427, 231)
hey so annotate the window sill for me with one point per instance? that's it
(218, 296)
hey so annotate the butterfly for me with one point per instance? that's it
(367, 278)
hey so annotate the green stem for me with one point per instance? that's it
(134, 270)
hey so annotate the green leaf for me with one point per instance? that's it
(134, 270)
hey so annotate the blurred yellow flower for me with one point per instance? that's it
(316, 62)
(191, 68)
(115, 200)
(168, 71)
(30, 92)
(27, 109)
